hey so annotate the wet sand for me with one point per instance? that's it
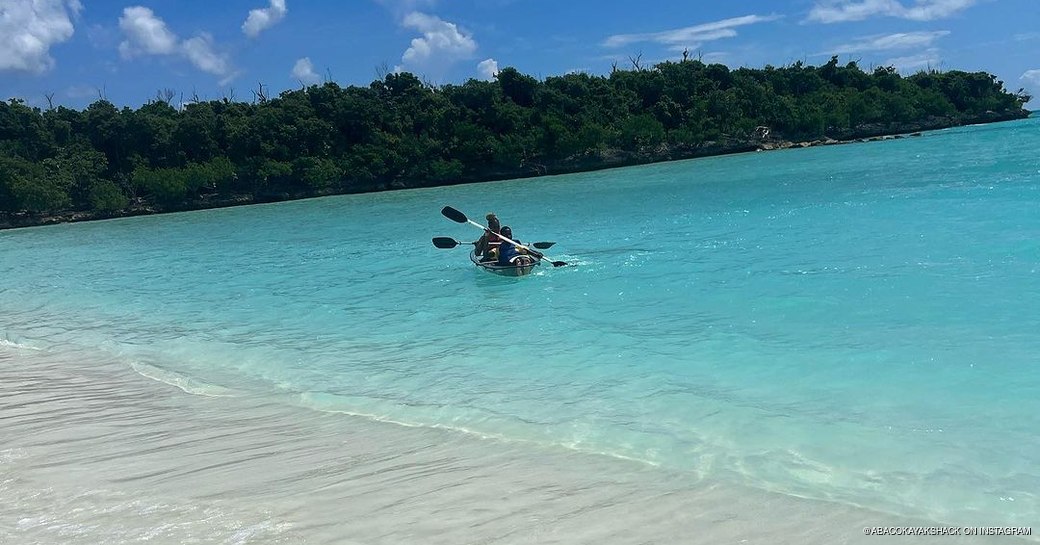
(93, 452)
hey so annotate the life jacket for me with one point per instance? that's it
(493, 243)
(506, 252)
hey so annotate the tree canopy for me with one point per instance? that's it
(401, 132)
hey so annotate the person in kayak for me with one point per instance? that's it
(487, 244)
(511, 254)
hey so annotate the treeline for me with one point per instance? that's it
(400, 132)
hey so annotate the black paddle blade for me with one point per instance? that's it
(445, 242)
(453, 215)
(541, 257)
(554, 263)
(543, 245)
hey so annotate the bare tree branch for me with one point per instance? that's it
(165, 95)
(637, 61)
(259, 95)
(382, 70)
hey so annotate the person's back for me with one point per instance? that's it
(488, 243)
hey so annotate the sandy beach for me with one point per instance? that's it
(769, 348)
(96, 453)
(242, 303)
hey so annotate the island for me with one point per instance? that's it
(172, 154)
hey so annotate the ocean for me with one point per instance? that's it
(815, 339)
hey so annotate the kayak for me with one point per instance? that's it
(503, 270)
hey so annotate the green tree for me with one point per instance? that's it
(316, 173)
(517, 87)
(165, 186)
(401, 132)
(641, 131)
(25, 186)
(105, 196)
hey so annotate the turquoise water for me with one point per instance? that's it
(852, 323)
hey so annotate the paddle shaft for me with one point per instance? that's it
(445, 242)
(459, 217)
(535, 253)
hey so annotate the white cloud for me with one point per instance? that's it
(145, 33)
(888, 42)
(407, 5)
(199, 51)
(102, 37)
(913, 62)
(81, 91)
(1032, 79)
(441, 45)
(400, 8)
(261, 19)
(837, 11)
(690, 36)
(28, 29)
(721, 57)
(303, 70)
(487, 69)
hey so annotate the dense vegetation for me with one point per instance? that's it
(400, 132)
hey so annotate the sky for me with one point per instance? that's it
(127, 51)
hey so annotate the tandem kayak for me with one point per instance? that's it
(503, 270)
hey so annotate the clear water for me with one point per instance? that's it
(857, 323)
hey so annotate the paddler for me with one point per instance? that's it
(487, 244)
(509, 253)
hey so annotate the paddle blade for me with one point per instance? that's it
(543, 245)
(445, 242)
(541, 257)
(453, 215)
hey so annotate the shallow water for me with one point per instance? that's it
(856, 324)
(95, 454)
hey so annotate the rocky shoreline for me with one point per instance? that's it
(762, 140)
(766, 140)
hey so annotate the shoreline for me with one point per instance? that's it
(590, 161)
(98, 450)
(719, 325)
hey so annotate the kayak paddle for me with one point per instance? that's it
(459, 217)
(448, 242)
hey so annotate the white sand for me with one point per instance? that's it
(95, 453)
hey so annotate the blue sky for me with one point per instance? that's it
(127, 50)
